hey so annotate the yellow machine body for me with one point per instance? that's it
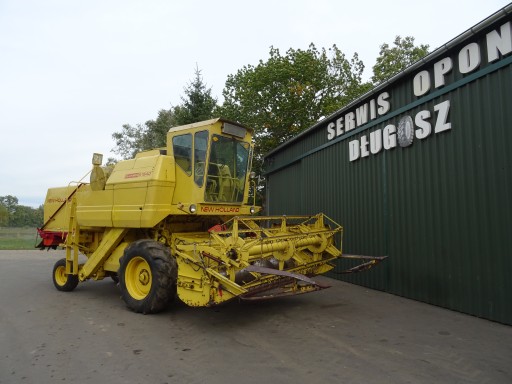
(180, 221)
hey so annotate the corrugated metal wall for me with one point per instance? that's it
(439, 208)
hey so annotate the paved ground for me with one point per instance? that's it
(345, 334)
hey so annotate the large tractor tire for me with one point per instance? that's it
(61, 280)
(147, 276)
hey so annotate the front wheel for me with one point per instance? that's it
(61, 280)
(147, 276)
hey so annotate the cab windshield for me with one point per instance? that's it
(227, 170)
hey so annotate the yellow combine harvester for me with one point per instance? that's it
(178, 220)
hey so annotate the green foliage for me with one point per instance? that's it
(278, 98)
(9, 202)
(394, 59)
(4, 216)
(14, 215)
(284, 95)
(198, 105)
(150, 135)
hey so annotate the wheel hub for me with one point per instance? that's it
(144, 277)
(138, 278)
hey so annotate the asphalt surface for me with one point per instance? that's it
(345, 334)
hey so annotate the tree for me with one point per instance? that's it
(4, 216)
(394, 59)
(141, 137)
(22, 216)
(198, 105)
(14, 215)
(284, 95)
(39, 215)
(9, 202)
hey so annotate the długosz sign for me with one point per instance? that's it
(498, 43)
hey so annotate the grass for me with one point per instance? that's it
(17, 238)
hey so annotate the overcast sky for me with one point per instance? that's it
(73, 72)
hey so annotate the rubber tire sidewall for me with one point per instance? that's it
(163, 276)
(71, 281)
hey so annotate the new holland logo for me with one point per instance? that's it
(219, 209)
(135, 175)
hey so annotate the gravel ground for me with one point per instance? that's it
(345, 334)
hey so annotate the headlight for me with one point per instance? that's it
(252, 210)
(192, 208)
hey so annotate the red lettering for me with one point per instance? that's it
(137, 174)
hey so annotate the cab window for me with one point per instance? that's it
(200, 148)
(182, 147)
(227, 170)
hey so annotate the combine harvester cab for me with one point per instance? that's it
(180, 221)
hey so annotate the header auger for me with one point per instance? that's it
(179, 221)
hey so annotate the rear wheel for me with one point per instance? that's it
(147, 276)
(61, 280)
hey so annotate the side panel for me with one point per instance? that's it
(158, 203)
(129, 199)
(285, 191)
(137, 194)
(56, 208)
(94, 208)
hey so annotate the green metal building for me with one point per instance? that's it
(419, 169)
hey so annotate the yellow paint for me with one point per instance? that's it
(197, 203)
(138, 278)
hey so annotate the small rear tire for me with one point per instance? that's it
(147, 276)
(62, 281)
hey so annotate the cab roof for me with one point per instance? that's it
(207, 123)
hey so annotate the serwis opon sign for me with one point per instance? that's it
(425, 122)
